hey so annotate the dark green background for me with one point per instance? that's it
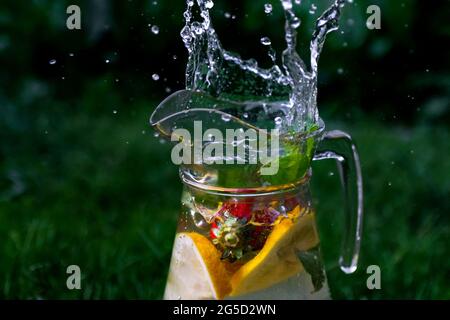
(84, 181)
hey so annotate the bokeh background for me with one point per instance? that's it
(83, 179)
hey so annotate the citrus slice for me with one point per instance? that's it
(277, 260)
(196, 270)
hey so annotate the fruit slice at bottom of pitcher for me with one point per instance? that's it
(196, 270)
(277, 260)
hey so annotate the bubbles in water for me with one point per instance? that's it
(331, 173)
(313, 9)
(53, 61)
(155, 76)
(268, 8)
(155, 29)
(114, 111)
(245, 115)
(266, 41)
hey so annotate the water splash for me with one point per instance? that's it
(213, 70)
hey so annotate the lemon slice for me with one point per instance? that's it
(277, 260)
(196, 270)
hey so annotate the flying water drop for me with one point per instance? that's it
(155, 29)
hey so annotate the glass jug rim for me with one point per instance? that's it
(247, 192)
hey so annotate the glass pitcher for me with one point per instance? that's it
(251, 239)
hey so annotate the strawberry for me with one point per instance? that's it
(291, 203)
(213, 230)
(241, 210)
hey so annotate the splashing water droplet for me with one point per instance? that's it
(155, 77)
(268, 8)
(155, 29)
(278, 121)
(313, 9)
(266, 41)
(209, 4)
(226, 117)
(213, 70)
(52, 62)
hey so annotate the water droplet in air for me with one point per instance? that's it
(340, 71)
(313, 9)
(245, 115)
(331, 173)
(209, 4)
(226, 117)
(155, 29)
(389, 183)
(287, 4)
(278, 121)
(266, 41)
(227, 15)
(268, 8)
(107, 61)
(155, 76)
(71, 54)
(115, 111)
(53, 61)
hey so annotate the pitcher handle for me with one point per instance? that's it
(339, 145)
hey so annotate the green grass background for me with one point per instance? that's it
(80, 184)
(97, 189)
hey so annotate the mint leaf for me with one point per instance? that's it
(312, 262)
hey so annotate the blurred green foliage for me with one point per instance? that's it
(84, 181)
